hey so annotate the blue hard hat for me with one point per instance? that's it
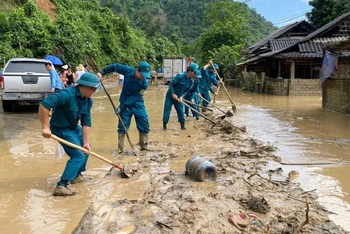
(145, 69)
(215, 66)
(198, 75)
(90, 80)
(193, 67)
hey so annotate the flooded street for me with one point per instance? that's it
(304, 133)
(31, 164)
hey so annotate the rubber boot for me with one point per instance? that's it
(78, 179)
(121, 138)
(164, 126)
(63, 191)
(143, 141)
(183, 126)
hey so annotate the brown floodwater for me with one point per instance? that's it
(30, 165)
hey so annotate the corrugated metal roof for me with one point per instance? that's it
(279, 44)
(311, 47)
(301, 55)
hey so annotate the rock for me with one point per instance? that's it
(292, 175)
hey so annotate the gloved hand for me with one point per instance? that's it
(117, 111)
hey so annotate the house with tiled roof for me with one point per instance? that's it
(289, 61)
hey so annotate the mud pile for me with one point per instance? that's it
(247, 197)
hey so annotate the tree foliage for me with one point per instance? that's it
(324, 11)
(127, 31)
(224, 37)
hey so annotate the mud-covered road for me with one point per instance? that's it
(159, 198)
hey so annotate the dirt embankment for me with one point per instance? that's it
(47, 7)
(248, 195)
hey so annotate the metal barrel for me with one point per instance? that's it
(201, 169)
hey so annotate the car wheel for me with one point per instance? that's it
(8, 106)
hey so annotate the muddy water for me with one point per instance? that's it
(303, 133)
(30, 165)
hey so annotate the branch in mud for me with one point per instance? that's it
(310, 191)
(296, 199)
(275, 217)
(243, 129)
(247, 182)
(324, 209)
(275, 182)
(164, 225)
(306, 219)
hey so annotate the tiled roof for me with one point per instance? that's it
(277, 33)
(311, 47)
(330, 40)
(345, 53)
(278, 44)
(301, 55)
(319, 32)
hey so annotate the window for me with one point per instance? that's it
(26, 66)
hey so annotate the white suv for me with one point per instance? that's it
(24, 81)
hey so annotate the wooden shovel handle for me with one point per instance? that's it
(120, 119)
(217, 92)
(211, 103)
(205, 117)
(223, 85)
(190, 103)
(86, 151)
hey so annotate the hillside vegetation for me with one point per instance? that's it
(127, 31)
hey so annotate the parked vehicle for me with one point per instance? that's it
(173, 66)
(160, 73)
(24, 81)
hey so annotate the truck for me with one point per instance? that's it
(24, 81)
(172, 66)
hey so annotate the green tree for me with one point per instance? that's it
(224, 34)
(324, 11)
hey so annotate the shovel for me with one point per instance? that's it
(120, 119)
(223, 85)
(190, 103)
(228, 113)
(194, 110)
(217, 92)
(121, 168)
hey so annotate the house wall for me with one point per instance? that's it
(305, 87)
(292, 87)
(336, 90)
(276, 86)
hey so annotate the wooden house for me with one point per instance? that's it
(290, 58)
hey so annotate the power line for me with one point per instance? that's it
(301, 13)
(299, 17)
(290, 18)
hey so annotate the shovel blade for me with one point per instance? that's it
(234, 108)
(222, 117)
(229, 114)
(125, 172)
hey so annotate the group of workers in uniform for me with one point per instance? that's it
(71, 115)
